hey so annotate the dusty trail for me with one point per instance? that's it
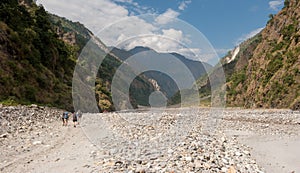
(68, 151)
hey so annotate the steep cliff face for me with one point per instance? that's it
(270, 73)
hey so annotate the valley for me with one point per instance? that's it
(149, 107)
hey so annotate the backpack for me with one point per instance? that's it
(75, 116)
(65, 115)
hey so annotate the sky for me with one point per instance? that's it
(177, 25)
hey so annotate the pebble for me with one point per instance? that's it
(5, 135)
(189, 159)
(224, 169)
(246, 152)
(231, 170)
(238, 153)
(37, 143)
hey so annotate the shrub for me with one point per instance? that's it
(238, 77)
(286, 3)
(289, 30)
(288, 80)
(275, 65)
(30, 93)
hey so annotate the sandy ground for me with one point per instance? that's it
(274, 153)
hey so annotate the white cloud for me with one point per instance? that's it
(170, 40)
(96, 15)
(222, 52)
(127, 28)
(191, 53)
(135, 8)
(93, 14)
(116, 24)
(247, 36)
(127, 1)
(183, 5)
(173, 34)
(131, 2)
(167, 17)
(274, 5)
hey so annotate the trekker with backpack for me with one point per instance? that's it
(78, 115)
(75, 118)
(65, 118)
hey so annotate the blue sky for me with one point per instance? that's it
(225, 23)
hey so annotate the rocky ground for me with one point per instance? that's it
(24, 129)
(175, 140)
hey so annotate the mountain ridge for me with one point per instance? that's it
(165, 82)
(263, 71)
(266, 72)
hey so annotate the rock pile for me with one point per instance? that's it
(146, 145)
(262, 121)
(197, 153)
(27, 129)
(20, 119)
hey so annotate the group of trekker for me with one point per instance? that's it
(75, 116)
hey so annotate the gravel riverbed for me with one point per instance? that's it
(170, 140)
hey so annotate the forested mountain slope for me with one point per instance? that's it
(266, 71)
(36, 65)
(38, 53)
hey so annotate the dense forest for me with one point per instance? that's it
(36, 66)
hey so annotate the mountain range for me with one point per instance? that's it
(39, 52)
(166, 84)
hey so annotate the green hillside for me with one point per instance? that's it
(267, 73)
(36, 66)
(264, 71)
